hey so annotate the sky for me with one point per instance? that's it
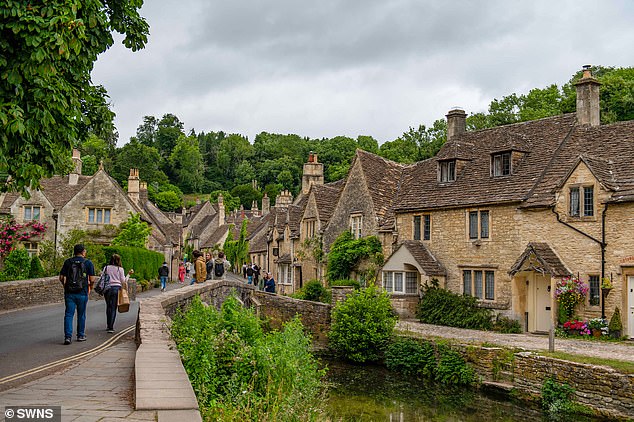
(327, 68)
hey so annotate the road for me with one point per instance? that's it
(33, 337)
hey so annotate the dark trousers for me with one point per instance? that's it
(111, 297)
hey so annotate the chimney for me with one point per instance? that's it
(266, 204)
(221, 210)
(456, 123)
(134, 185)
(241, 211)
(254, 208)
(284, 199)
(588, 98)
(313, 173)
(73, 177)
(143, 194)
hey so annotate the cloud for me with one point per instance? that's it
(372, 67)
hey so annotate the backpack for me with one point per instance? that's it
(78, 279)
(219, 269)
(103, 283)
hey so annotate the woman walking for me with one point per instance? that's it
(181, 273)
(118, 279)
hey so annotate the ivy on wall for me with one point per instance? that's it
(347, 253)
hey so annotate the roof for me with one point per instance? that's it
(326, 197)
(545, 261)
(537, 140)
(284, 259)
(429, 264)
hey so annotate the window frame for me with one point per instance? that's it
(358, 219)
(310, 228)
(31, 209)
(501, 164)
(407, 286)
(422, 227)
(581, 201)
(479, 283)
(98, 213)
(478, 224)
(447, 171)
(594, 300)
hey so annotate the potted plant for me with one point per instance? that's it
(569, 293)
(606, 286)
(598, 326)
(616, 326)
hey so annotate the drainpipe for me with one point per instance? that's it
(601, 243)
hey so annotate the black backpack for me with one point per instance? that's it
(77, 277)
(219, 269)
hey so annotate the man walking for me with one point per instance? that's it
(200, 267)
(77, 275)
(163, 273)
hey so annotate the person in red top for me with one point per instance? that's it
(181, 273)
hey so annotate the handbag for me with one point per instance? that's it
(123, 304)
(103, 284)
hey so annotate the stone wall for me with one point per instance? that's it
(604, 389)
(279, 309)
(40, 291)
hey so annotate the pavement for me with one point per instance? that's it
(100, 387)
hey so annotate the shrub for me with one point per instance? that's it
(507, 325)
(615, 326)
(556, 398)
(144, 262)
(16, 265)
(36, 270)
(240, 373)
(362, 325)
(442, 307)
(346, 253)
(314, 291)
(411, 357)
(346, 282)
(452, 368)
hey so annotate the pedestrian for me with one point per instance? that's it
(262, 281)
(163, 273)
(244, 270)
(192, 270)
(200, 267)
(118, 280)
(220, 266)
(188, 270)
(181, 273)
(249, 274)
(269, 284)
(77, 275)
(209, 266)
(256, 274)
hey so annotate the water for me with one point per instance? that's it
(372, 393)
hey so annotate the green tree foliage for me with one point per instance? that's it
(136, 155)
(314, 291)
(245, 194)
(186, 164)
(95, 150)
(133, 232)
(36, 270)
(47, 101)
(168, 201)
(346, 253)
(362, 325)
(240, 372)
(231, 202)
(16, 265)
(144, 262)
(416, 144)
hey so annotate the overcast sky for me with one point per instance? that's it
(324, 68)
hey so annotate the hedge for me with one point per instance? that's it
(145, 262)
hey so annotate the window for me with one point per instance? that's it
(578, 208)
(99, 215)
(425, 230)
(31, 248)
(595, 290)
(478, 225)
(31, 213)
(501, 164)
(479, 283)
(355, 226)
(309, 227)
(417, 227)
(400, 282)
(447, 171)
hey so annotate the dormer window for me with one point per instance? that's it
(501, 164)
(581, 201)
(447, 170)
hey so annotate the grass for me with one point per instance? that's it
(619, 365)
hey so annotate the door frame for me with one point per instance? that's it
(629, 280)
(532, 302)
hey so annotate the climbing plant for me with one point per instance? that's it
(347, 253)
(12, 232)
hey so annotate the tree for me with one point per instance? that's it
(245, 173)
(48, 50)
(231, 202)
(246, 195)
(134, 232)
(186, 163)
(168, 201)
(139, 156)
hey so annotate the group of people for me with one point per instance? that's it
(204, 267)
(251, 272)
(77, 276)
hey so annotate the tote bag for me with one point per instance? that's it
(123, 304)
